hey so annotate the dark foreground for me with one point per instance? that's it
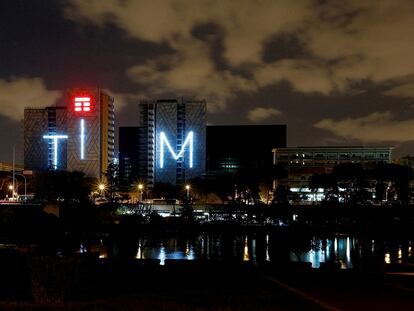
(83, 283)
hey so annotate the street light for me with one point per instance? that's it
(101, 188)
(25, 185)
(187, 188)
(12, 191)
(140, 187)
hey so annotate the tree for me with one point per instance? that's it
(165, 190)
(352, 178)
(71, 188)
(264, 192)
(394, 177)
(326, 182)
(112, 181)
(281, 195)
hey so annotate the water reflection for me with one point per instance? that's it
(140, 253)
(387, 257)
(345, 251)
(162, 255)
(267, 248)
(246, 256)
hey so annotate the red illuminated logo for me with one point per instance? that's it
(82, 104)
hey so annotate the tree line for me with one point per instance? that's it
(352, 183)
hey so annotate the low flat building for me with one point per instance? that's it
(303, 162)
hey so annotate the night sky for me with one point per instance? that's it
(336, 72)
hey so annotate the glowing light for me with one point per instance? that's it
(246, 256)
(348, 252)
(82, 139)
(55, 139)
(82, 104)
(267, 248)
(188, 141)
(387, 258)
(162, 255)
(140, 253)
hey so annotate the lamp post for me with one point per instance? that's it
(187, 188)
(12, 191)
(14, 170)
(101, 188)
(140, 188)
(25, 184)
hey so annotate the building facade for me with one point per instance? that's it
(42, 126)
(303, 162)
(91, 131)
(129, 156)
(172, 140)
(77, 137)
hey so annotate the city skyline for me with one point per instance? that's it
(335, 73)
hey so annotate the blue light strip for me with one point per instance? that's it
(82, 139)
(188, 141)
(55, 139)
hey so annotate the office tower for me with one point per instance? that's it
(129, 155)
(44, 135)
(173, 140)
(77, 137)
(90, 130)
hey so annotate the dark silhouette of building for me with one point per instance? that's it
(232, 148)
(130, 155)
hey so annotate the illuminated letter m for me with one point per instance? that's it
(164, 142)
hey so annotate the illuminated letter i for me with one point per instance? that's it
(82, 139)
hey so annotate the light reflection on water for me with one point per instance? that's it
(246, 256)
(346, 251)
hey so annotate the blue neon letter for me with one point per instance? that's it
(55, 139)
(188, 141)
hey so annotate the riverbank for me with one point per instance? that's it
(124, 285)
(183, 285)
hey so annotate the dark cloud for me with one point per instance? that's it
(283, 46)
(336, 64)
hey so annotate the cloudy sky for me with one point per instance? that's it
(336, 72)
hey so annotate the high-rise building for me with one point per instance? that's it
(129, 155)
(44, 128)
(91, 131)
(79, 136)
(173, 140)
